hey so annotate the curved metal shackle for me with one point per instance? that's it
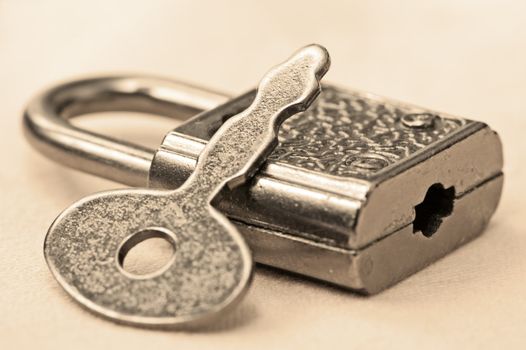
(48, 129)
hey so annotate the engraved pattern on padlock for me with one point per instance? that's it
(333, 202)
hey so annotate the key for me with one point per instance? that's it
(212, 266)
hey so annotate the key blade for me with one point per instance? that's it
(240, 146)
(295, 83)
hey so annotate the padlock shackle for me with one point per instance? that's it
(48, 129)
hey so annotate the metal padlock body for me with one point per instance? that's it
(339, 199)
(336, 200)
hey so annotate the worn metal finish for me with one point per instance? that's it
(336, 199)
(212, 265)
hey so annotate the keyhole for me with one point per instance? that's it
(437, 204)
(147, 253)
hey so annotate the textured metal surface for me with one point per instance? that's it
(344, 133)
(212, 265)
(354, 136)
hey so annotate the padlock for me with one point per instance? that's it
(361, 191)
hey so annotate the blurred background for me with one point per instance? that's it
(466, 58)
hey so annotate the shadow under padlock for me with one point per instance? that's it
(361, 192)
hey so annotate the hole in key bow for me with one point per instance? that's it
(147, 253)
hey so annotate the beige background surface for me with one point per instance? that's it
(463, 57)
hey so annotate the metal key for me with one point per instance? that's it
(212, 266)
